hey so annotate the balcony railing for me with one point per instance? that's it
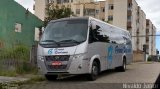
(147, 22)
(137, 32)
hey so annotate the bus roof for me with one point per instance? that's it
(69, 18)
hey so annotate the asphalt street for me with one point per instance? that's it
(137, 76)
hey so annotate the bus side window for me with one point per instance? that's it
(91, 35)
(96, 33)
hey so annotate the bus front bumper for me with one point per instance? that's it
(76, 66)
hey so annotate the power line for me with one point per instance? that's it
(145, 35)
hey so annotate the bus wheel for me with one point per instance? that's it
(123, 67)
(51, 77)
(94, 72)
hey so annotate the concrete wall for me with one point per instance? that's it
(120, 14)
(40, 6)
(10, 14)
(138, 57)
(134, 25)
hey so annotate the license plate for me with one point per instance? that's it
(56, 63)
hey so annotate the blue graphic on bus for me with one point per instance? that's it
(110, 55)
(50, 51)
(122, 50)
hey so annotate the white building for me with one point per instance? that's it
(150, 38)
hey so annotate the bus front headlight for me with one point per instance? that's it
(41, 58)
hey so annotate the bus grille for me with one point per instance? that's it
(60, 58)
(57, 58)
(57, 68)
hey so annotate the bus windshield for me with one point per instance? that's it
(65, 33)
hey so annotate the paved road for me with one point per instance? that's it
(137, 75)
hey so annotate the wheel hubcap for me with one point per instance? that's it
(95, 70)
(124, 65)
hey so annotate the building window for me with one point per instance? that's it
(111, 7)
(77, 11)
(97, 11)
(58, 1)
(50, 1)
(65, 1)
(110, 18)
(18, 27)
(103, 9)
(129, 5)
(129, 18)
(90, 12)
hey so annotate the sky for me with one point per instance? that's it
(27, 4)
(150, 7)
(152, 10)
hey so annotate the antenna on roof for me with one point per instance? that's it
(27, 11)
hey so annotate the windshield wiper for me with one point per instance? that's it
(50, 41)
(70, 40)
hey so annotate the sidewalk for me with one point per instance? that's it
(4, 79)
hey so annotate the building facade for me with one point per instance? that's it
(150, 38)
(141, 29)
(17, 25)
(39, 9)
(94, 9)
(125, 14)
(128, 15)
(40, 5)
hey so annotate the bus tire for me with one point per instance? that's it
(123, 67)
(51, 77)
(94, 72)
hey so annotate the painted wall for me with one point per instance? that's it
(10, 14)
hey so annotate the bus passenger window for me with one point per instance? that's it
(92, 37)
(96, 32)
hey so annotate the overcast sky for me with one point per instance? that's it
(150, 7)
(27, 4)
(152, 10)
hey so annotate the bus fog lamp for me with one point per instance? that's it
(77, 56)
